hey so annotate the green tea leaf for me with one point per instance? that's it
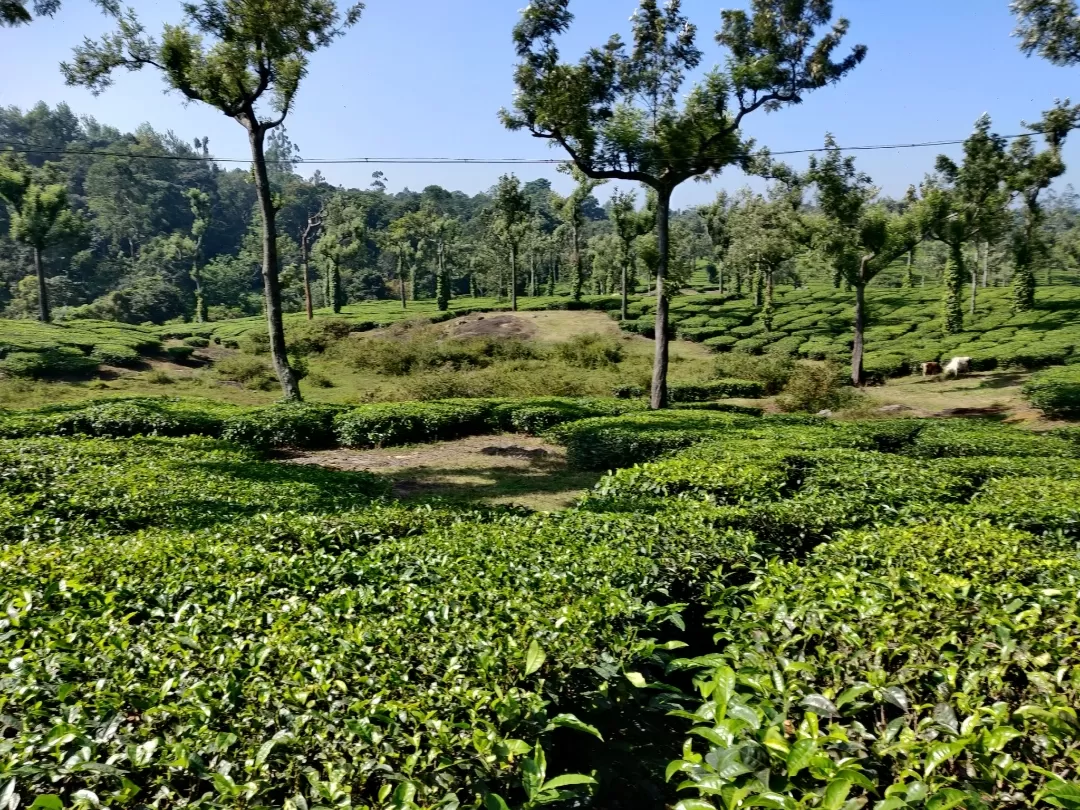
(534, 658)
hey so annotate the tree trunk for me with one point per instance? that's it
(578, 279)
(757, 285)
(307, 278)
(44, 313)
(335, 288)
(1024, 274)
(954, 290)
(401, 279)
(200, 299)
(472, 284)
(974, 287)
(271, 284)
(720, 277)
(910, 278)
(986, 265)
(442, 282)
(858, 377)
(767, 309)
(532, 274)
(513, 277)
(659, 398)
(624, 303)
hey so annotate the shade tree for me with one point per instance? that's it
(859, 236)
(38, 216)
(621, 114)
(511, 221)
(245, 58)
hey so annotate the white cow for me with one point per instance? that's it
(958, 366)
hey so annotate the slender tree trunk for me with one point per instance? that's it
(472, 284)
(442, 282)
(767, 303)
(986, 265)
(513, 277)
(720, 277)
(308, 308)
(909, 279)
(401, 279)
(578, 280)
(858, 377)
(974, 287)
(954, 290)
(271, 284)
(758, 291)
(624, 302)
(1024, 274)
(44, 312)
(335, 288)
(200, 299)
(532, 274)
(659, 398)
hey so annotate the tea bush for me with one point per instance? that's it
(54, 362)
(1057, 392)
(878, 614)
(715, 389)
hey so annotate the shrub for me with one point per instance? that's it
(590, 351)
(817, 387)
(411, 422)
(627, 391)
(1056, 392)
(179, 354)
(721, 344)
(115, 355)
(139, 417)
(315, 337)
(54, 362)
(250, 372)
(196, 342)
(284, 425)
(771, 371)
(715, 389)
(159, 376)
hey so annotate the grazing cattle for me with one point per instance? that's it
(931, 369)
(958, 366)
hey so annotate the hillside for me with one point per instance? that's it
(906, 327)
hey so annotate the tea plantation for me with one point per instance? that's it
(906, 327)
(763, 611)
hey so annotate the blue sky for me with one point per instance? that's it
(424, 78)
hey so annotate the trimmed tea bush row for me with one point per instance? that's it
(906, 328)
(378, 658)
(308, 425)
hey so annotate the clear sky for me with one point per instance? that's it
(425, 78)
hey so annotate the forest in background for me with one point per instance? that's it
(131, 258)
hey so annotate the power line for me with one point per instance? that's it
(30, 149)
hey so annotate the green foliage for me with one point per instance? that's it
(115, 355)
(716, 389)
(179, 353)
(251, 372)
(53, 362)
(285, 425)
(196, 342)
(886, 611)
(814, 388)
(1057, 392)
(590, 351)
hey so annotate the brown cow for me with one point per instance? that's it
(931, 369)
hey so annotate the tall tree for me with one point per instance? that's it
(258, 54)
(977, 183)
(307, 237)
(861, 238)
(343, 239)
(1029, 174)
(571, 211)
(18, 12)
(717, 217)
(766, 235)
(512, 220)
(38, 215)
(618, 115)
(201, 211)
(629, 224)
(1049, 27)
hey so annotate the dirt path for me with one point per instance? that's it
(515, 470)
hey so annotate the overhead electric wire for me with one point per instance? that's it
(30, 149)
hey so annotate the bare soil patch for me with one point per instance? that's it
(504, 326)
(517, 470)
